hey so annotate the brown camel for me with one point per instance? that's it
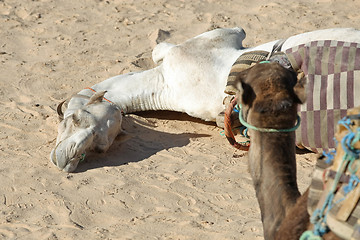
(269, 95)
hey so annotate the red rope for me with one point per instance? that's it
(103, 97)
(122, 112)
(228, 129)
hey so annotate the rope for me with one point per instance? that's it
(103, 97)
(244, 131)
(309, 235)
(319, 216)
(243, 122)
(228, 129)
(265, 62)
(122, 111)
(329, 156)
(346, 143)
(353, 182)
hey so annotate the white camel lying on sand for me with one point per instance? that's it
(191, 79)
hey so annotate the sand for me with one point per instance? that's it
(177, 177)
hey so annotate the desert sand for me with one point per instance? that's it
(176, 177)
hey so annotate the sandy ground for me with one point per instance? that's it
(177, 177)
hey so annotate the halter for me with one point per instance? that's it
(53, 155)
(243, 122)
(83, 155)
(228, 129)
(103, 97)
(122, 111)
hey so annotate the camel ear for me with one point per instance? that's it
(97, 97)
(245, 92)
(300, 88)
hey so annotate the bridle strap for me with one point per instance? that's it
(103, 97)
(273, 130)
(122, 112)
(228, 129)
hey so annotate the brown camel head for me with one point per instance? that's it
(269, 94)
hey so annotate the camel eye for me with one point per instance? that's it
(76, 120)
(81, 118)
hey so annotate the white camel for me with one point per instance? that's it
(191, 78)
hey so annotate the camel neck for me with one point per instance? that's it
(139, 91)
(132, 92)
(273, 168)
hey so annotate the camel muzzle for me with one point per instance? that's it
(68, 153)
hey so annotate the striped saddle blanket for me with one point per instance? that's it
(332, 71)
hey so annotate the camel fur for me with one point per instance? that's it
(190, 78)
(270, 95)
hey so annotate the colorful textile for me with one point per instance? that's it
(245, 61)
(332, 69)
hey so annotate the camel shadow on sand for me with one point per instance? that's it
(143, 140)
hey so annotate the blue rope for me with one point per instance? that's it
(346, 122)
(350, 152)
(347, 145)
(319, 216)
(329, 156)
(264, 62)
(236, 108)
(356, 137)
(309, 235)
(244, 131)
(243, 122)
(353, 182)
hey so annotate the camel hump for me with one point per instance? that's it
(160, 51)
